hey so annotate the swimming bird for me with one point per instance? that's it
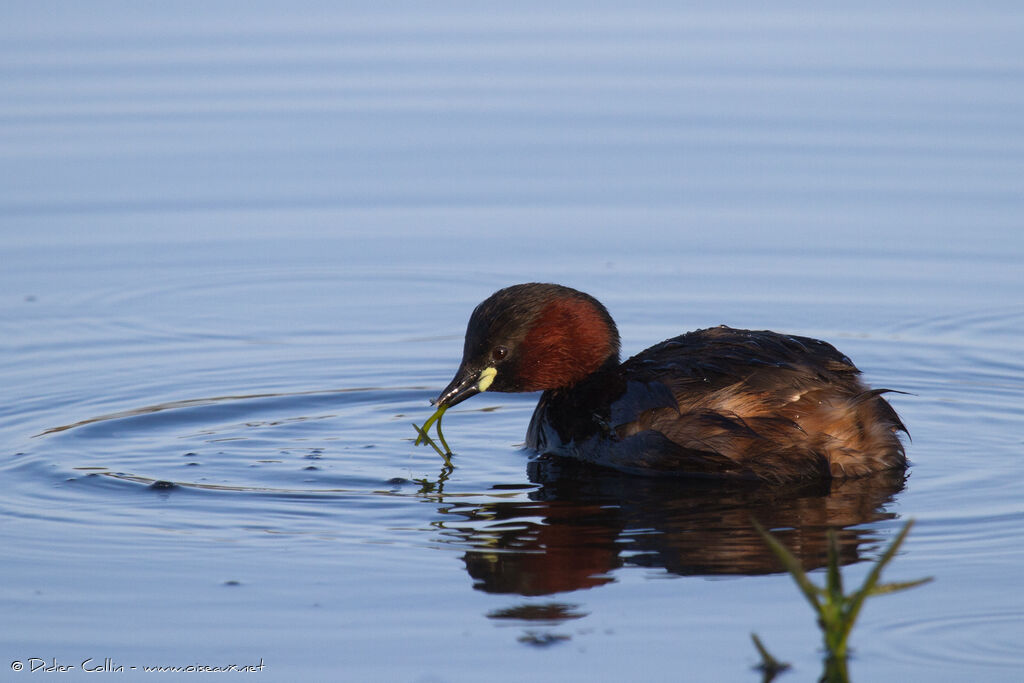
(714, 403)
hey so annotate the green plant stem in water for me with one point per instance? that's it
(836, 611)
(769, 666)
(424, 437)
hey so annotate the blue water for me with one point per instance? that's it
(239, 243)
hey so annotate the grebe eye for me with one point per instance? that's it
(499, 352)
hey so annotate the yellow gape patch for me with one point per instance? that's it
(486, 377)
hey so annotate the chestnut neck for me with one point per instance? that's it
(569, 339)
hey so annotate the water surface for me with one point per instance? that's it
(239, 246)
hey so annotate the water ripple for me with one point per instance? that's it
(985, 639)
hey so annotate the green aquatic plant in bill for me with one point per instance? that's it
(423, 436)
(837, 612)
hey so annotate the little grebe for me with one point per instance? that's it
(719, 402)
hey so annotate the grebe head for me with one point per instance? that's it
(532, 337)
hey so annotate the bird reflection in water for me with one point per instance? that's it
(583, 523)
